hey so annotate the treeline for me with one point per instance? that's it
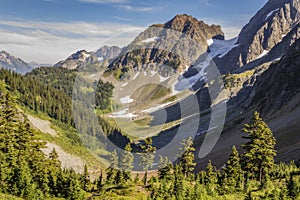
(40, 91)
(24, 169)
(64, 79)
(39, 97)
(26, 172)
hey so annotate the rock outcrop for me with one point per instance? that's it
(275, 24)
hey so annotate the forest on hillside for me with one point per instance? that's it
(252, 174)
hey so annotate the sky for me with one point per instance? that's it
(47, 31)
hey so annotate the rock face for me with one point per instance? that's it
(175, 44)
(279, 84)
(107, 53)
(8, 61)
(267, 29)
(77, 60)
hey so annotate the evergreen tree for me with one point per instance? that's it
(112, 171)
(165, 167)
(211, 175)
(258, 158)
(233, 171)
(147, 157)
(178, 183)
(127, 162)
(86, 178)
(187, 160)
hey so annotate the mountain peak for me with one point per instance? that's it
(11, 62)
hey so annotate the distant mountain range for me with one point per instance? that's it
(82, 58)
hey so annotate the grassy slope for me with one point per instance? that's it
(68, 139)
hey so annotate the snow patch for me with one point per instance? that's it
(189, 82)
(271, 13)
(136, 75)
(265, 52)
(153, 73)
(100, 59)
(126, 100)
(153, 39)
(156, 108)
(123, 85)
(210, 42)
(123, 114)
(221, 47)
(163, 79)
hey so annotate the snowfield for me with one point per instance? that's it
(153, 39)
(221, 47)
(123, 114)
(271, 13)
(126, 100)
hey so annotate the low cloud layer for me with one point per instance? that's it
(49, 42)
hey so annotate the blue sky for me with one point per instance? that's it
(47, 31)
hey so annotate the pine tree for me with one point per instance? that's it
(165, 167)
(233, 171)
(86, 178)
(258, 158)
(54, 169)
(178, 183)
(99, 182)
(113, 169)
(147, 157)
(187, 160)
(127, 163)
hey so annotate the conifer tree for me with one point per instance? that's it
(127, 162)
(147, 157)
(113, 168)
(165, 167)
(260, 152)
(233, 171)
(211, 175)
(187, 160)
(86, 178)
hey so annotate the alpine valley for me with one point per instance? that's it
(234, 104)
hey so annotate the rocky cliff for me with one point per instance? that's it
(274, 26)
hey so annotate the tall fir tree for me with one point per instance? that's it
(187, 159)
(127, 163)
(147, 157)
(232, 173)
(112, 171)
(258, 158)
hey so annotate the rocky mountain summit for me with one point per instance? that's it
(78, 59)
(274, 26)
(82, 58)
(8, 61)
(107, 52)
(175, 45)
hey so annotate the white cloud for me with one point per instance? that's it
(103, 1)
(49, 42)
(137, 9)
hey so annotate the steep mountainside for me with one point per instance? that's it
(275, 94)
(176, 44)
(8, 61)
(107, 52)
(77, 60)
(274, 26)
(279, 84)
